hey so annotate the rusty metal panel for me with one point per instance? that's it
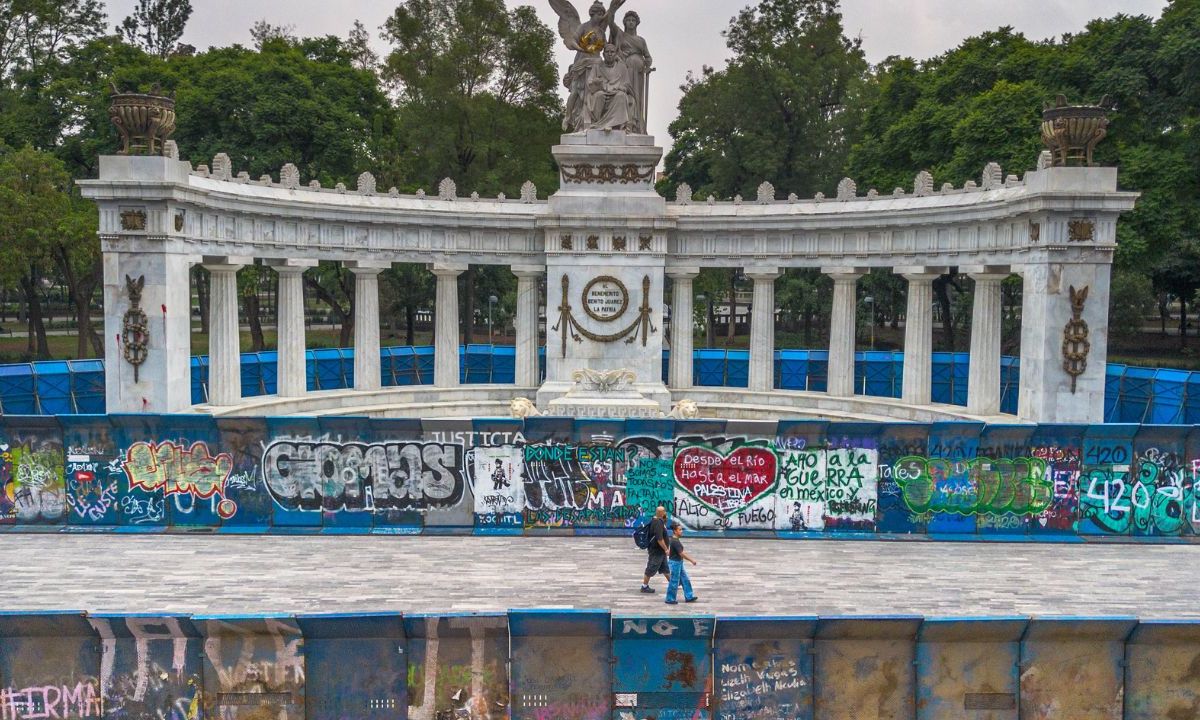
(865, 668)
(968, 669)
(560, 664)
(1072, 668)
(662, 667)
(764, 668)
(355, 666)
(253, 668)
(49, 667)
(457, 666)
(149, 666)
(1162, 677)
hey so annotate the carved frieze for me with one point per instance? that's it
(607, 174)
(133, 220)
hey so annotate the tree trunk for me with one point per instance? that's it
(202, 295)
(808, 324)
(251, 306)
(37, 324)
(468, 316)
(345, 317)
(410, 322)
(941, 288)
(732, 309)
(1183, 323)
(1163, 312)
(708, 327)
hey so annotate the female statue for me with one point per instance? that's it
(633, 50)
(587, 39)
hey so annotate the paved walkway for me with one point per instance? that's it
(249, 574)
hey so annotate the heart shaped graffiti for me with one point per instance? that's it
(726, 482)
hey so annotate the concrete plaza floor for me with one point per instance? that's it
(265, 574)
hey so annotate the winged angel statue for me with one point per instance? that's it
(607, 80)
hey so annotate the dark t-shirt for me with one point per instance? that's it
(676, 549)
(658, 533)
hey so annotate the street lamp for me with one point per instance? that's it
(492, 300)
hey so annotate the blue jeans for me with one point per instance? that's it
(678, 575)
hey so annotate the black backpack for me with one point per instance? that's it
(641, 536)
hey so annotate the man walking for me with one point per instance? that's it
(658, 549)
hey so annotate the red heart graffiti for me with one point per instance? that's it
(726, 483)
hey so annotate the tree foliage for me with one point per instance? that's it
(156, 25)
(785, 109)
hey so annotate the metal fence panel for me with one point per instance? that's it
(662, 667)
(866, 668)
(560, 664)
(764, 668)
(969, 669)
(1072, 668)
(355, 666)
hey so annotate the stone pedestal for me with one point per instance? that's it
(163, 381)
(606, 242)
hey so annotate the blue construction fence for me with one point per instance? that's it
(593, 665)
(1134, 394)
(142, 473)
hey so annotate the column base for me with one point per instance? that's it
(640, 400)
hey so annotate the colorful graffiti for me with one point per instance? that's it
(176, 470)
(811, 478)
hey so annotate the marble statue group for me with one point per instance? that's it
(609, 78)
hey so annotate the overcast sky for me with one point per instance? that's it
(686, 34)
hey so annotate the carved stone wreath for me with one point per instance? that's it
(606, 174)
(587, 291)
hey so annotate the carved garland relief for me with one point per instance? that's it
(605, 299)
(606, 174)
(135, 333)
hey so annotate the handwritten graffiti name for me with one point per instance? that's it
(318, 474)
(175, 469)
(49, 702)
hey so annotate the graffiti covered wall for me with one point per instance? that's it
(554, 474)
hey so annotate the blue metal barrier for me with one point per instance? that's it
(1132, 394)
(584, 665)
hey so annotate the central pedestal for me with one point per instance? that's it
(606, 243)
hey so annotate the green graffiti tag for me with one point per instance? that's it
(1021, 486)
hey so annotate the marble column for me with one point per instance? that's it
(366, 324)
(224, 336)
(762, 329)
(292, 373)
(680, 370)
(983, 385)
(918, 335)
(842, 331)
(529, 300)
(445, 332)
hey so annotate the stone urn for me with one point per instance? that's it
(1071, 132)
(144, 122)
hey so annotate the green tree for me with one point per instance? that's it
(783, 110)
(478, 89)
(156, 25)
(35, 207)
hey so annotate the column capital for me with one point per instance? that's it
(762, 273)
(986, 272)
(844, 274)
(525, 271)
(920, 277)
(290, 265)
(367, 267)
(921, 270)
(448, 269)
(225, 263)
(683, 273)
